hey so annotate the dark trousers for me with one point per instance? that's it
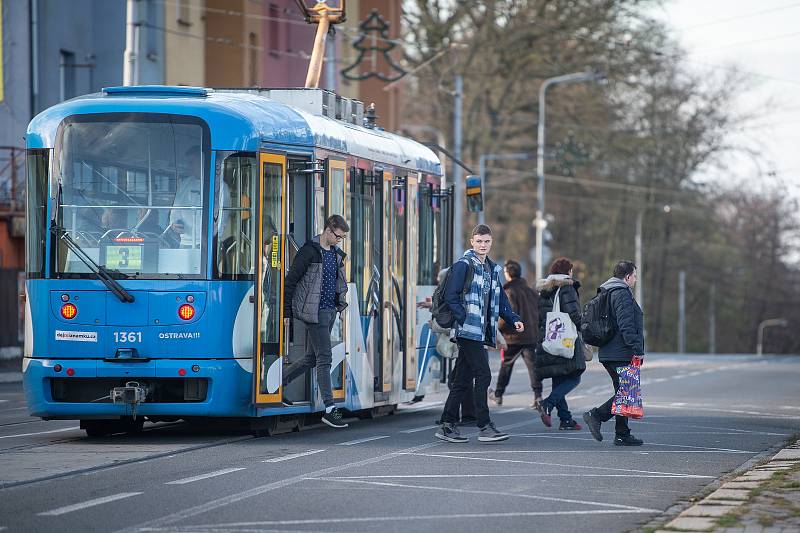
(562, 385)
(318, 353)
(473, 373)
(468, 403)
(604, 411)
(510, 356)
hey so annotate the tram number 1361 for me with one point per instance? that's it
(127, 336)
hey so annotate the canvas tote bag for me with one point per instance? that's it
(559, 332)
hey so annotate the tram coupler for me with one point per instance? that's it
(131, 394)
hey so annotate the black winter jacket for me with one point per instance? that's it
(628, 318)
(301, 293)
(547, 365)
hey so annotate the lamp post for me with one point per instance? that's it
(540, 223)
(782, 322)
(482, 163)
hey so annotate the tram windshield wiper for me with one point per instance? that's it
(102, 273)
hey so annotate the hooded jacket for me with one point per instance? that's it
(628, 319)
(524, 301)
(304, 282)
(548, 365)
(470, 312)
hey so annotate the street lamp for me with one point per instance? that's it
(482, 163)
(782, 322)
(540, 223)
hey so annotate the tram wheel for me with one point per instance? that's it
(133, 426)
(96, 428)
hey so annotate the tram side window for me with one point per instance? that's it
(37, 212)
(234, 223)
(362, 202)
(428, 268)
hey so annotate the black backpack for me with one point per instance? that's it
(597, 324)
(440, 311)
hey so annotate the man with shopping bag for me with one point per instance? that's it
(625, 348)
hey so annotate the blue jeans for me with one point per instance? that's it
(562, 385)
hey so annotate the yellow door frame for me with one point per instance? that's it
(260, 398)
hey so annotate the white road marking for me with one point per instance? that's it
(627, 450)
(291, 456)
(704, 448)
(446, 476)
(495, 493)
(423, 428)
(38, 433)
(423, 406)
(263, 489)
(3, 401)
(216, 473)
(366, 439)
(735, 430)
(209, 506)
(760, 414)
(453, 456)
(89, 503)
(403, 518)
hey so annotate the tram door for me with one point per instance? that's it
(393, 278)
(271, 333)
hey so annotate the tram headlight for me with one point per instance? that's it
(186, 312)
(69, 311)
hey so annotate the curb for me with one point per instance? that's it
(730, 495)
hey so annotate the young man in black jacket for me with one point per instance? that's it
(628, 341)
(315, 293)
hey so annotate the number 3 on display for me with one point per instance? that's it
(127, 336)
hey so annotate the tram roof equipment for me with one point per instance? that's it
(241, 119)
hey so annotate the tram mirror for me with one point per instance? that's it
(474, 187)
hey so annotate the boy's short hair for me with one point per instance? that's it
(337, 222)
(481, 229)
(624, 269)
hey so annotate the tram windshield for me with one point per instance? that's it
(132, 190)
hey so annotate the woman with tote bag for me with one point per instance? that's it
(560, 351)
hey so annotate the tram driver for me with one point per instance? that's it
(187, 222)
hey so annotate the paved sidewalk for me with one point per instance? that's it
(765, 499)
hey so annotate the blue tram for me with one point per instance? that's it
(161, 223)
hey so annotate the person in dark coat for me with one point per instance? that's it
(566, 373)
(524, 301)
(628, 341)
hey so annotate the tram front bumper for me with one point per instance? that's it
(61, 388)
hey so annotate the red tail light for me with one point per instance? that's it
(186, 312)
(69, 311)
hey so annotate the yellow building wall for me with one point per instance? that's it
(185, 42)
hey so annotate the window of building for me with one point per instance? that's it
(274, 26)
(253, 55)
(184, 14)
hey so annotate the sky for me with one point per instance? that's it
(762, 38)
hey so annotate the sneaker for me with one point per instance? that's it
(286, 401)
(467, 421)
(498, 400)
(547, 420)
(570, 425)
(334, 419)
(489, 433)
(449, 432)
(593, 424)
(627, 440)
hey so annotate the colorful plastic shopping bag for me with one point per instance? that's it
(628, 400)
